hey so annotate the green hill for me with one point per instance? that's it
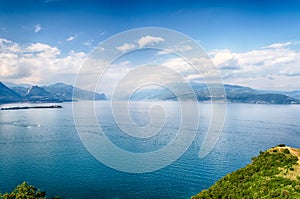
(275, 173)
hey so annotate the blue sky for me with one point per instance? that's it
(238, 25)
(232, 30)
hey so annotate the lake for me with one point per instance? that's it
(42, 146)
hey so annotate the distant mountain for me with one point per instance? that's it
(268, 98)
(22, 91)
(234, 94)
(10, 85)
(64, 91)
(61, 92)
(34, 94)
(293, 94)
(58, 92)
(38, 94)
(7, 95)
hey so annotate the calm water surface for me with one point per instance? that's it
(43, 148)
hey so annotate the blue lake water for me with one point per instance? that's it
(42, 146)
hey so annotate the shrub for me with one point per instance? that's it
(285, 193)
(281, 145)
(25, 191)
(286, 151)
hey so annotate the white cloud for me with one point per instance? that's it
(125, 47)
(37, 63)
(274, 67)
(88, 43)
(148, 40)
(278, 45)
(42, 49)
(177, 64)
(71, 38)
(37, 28)
(178, 49)
(223, 57)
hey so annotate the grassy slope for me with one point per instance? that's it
(275, 173)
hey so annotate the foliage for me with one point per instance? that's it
(265, 177)
(25, 191)
(281, 145)
(286, 151)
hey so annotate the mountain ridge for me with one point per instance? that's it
(60, 92)
(55, 93)
(233, 94)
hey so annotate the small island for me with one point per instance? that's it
(30, 107)
(275, 173)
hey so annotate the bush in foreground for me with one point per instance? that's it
(25, 191)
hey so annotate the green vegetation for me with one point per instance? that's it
(275, 173)
(25, 191)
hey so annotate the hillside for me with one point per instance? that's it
(275, 173)
(8, 95)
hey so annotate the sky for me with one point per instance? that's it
(251, 43)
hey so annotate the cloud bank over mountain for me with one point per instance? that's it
(37, 63)
(275, 66)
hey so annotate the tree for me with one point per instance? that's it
(25, 191)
